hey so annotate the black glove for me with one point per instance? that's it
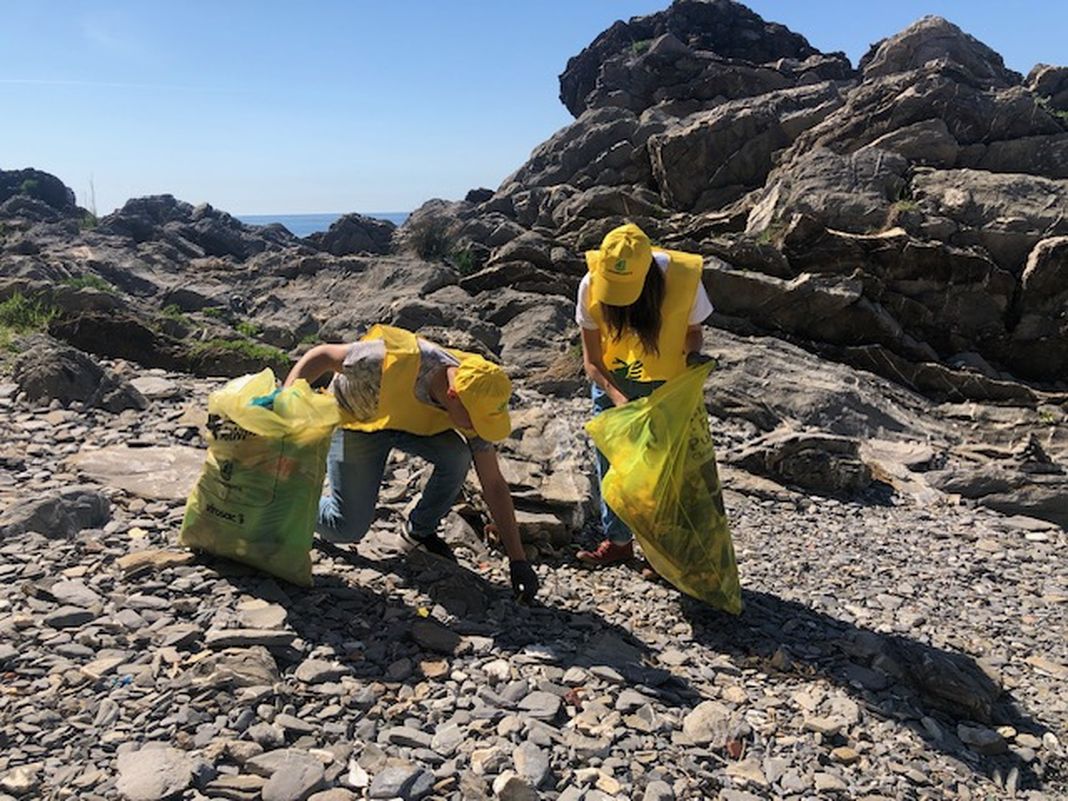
(524, 580)
(695, 357)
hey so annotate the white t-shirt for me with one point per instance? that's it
(702, 306)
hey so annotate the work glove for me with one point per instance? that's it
(695, 357)
(524, 580)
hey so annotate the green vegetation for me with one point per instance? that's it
(88, 281)
(88, 221)
(430, 238)
(1048, 417)
(772, 234)
(902, 206)
(248, 328)
(29, 186)
(310, 339)
(465, 261)
(1046, 106)
(174, 312)
(639, 47)
(244, 347)
(212, 311)
(20, 315)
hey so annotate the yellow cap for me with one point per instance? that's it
(484, 390)
(618, 269)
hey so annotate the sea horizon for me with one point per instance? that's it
(305, 224)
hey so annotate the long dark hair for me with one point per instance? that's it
(642, 316)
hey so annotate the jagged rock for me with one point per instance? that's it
(851, 193)
(39, 186)
(817, 462)
(716, 156)
(49, 370)
(1006, 214)
(355, 233)
(56, 516)
(725, 29)
(1051, 83)
(935, 39)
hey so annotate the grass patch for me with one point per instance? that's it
(1054, 112)
(248, 328)
(902, 206)
(174, 312)
(639, 47)
(310, 339)
(212, 311)
(88, 221)
(430, 238)
(771, 235)
(88, 281)
(465, 261)
(21, 314)
(244, 347)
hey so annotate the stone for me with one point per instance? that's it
(509, 787)
(658, 791)
(165, 473)
(711, 723)
(153, 773)
(433, 636)
(981, 739)
(540, 705)
(152, 559)
(66, 617)
(56, 516)
(243, 638)
(531, 764)
(408, 782)
(316, 671)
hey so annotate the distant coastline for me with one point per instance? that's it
(304, 224)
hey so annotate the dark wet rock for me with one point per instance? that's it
(354, 233)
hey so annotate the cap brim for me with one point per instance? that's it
(614, 293)
(494, 427)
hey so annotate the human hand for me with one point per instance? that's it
(524, 580)
(695, 358)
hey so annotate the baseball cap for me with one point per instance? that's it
(618, 269)
(484, 390)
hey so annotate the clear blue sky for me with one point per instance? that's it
(351, 105)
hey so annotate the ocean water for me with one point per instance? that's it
(304, 224)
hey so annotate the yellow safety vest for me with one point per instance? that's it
(398, 407)
(627, 354)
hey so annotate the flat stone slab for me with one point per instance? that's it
(165, 473)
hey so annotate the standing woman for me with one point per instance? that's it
(640, 310)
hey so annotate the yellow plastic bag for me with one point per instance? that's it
(257, 499)
(662, 482)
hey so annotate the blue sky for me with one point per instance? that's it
(350, 105)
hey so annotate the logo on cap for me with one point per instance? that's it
(620, 266)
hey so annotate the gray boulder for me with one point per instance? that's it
(935, 39)
(57, 516)
(49, 370)
(355, 233)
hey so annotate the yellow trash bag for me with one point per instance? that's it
(257, 499)
(662, 482)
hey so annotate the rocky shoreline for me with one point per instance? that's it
(887, 252)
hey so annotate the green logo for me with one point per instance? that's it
(620, 266)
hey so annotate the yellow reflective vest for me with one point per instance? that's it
(627, 356)
(398, 407)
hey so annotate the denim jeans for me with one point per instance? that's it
(614, 528)
(356, 464)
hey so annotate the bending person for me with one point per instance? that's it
(640, 310)
(396, 390)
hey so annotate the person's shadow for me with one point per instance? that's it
(923, 688)
(928, 690)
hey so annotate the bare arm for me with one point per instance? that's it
(695, 339)
(320, 359)
(499, 500)
(593, 362)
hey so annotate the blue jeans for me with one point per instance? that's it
(614, 528)
(355, 465)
